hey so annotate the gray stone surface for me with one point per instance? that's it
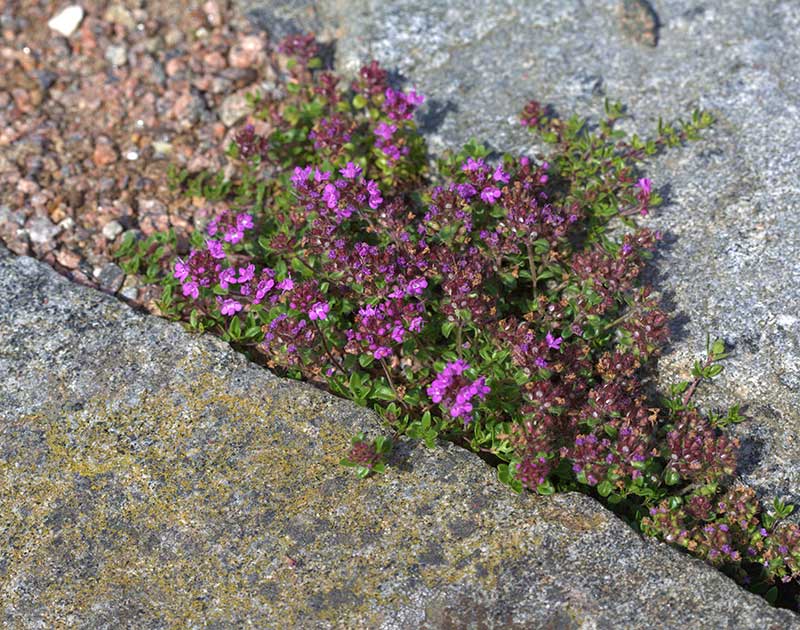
(731, 266)
(153, 479)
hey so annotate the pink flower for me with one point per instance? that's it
(385, 131)
(230, 307)
(416, 286)
(244, 221)
(472, 164)
(246, 273)
(645, 185)
(490, 194)
(181, 270)
(554, 343)
(191, 289)
(500, 175)
(331, 196)
(286, 284)
(351, 171)
(227, 277)
(215, 249)
(319, 310)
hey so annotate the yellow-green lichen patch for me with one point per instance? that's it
(198, 505)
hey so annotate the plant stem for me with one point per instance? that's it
(391, 384)
(697, 380)
(333, 359)
(532, 265)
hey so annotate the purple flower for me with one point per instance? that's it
(263, 287)
(331, 196)
(230, 307)
(215, 249)
(645, 185)
(500, 175)
(381, 352)
(385, 131)
(246, 274)
(554, 343)
(466, 191)
(181, 270)
(286, 285)
(350, 171)
(227, 277)
(540, 363)
(415, 99)
(416, 286)
(454, 392)
(490, 194)
(375, 198)
(321, 176)
(472, 164)
(300, 176)
(244, 221)
(319, 310)
(191, 289)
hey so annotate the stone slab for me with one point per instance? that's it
(154, 479)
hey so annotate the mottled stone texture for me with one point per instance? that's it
(730, 266)
(154, 479)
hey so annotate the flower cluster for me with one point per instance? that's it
(401, 105)
(455, 392)
(230, 227)
(492, 304)
(378, 329)
(339, 198)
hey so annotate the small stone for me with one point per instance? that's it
(67, 21)
(214, 61)
(112, 230)
(41, 230)
(174, 66)
(233, 108)
(46, 79)
(58, 214)
(27, 186)
(104, 153)
(639, 21)
(173, 37)
(68, 258)
(117, 14)
(111, 278)
(130, 288)
(152, 216)
(161, 149)
(213, 13)
(245, 52)
(67, 224)
(117, 55)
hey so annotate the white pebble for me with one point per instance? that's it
(65, 22)
(112, 230)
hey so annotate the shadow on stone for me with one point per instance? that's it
(432, 116)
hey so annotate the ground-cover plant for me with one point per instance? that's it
(493, 303)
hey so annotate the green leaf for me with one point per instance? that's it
(235, 328)
(382, 391)
(604, 488)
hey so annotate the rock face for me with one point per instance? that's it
(731, 264)
(152, 479)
